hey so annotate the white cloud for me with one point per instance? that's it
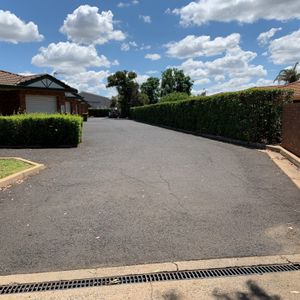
(202, 81)
(232, 71)
(285, 50)
(127, 46)
(202, 11)
(236, 84)
(235, 64)
(146, 19)
(265, 37)
(68, 57)
(151, 72)
(141, 78)
(128, 3)
(193, 46)
(145, 47)
(14, 30)
(219, 78)
(88, 81)
(87, 26)
(153, 56)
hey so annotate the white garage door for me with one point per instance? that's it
(44, 104)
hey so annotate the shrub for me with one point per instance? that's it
(252, 115)
(174, 97)
(99, 112)
(42, 130)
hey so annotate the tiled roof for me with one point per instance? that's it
(7, 78)
(295, 86)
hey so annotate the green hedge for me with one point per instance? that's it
(252, 115)
(41, 130)
(98, 112)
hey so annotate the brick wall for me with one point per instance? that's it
(291, 128)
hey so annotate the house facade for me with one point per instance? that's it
(38, 93)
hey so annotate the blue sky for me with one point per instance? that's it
(222, 45)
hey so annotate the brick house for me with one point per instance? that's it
(38, 93)
(294, 86)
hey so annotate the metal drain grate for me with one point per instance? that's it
(153, 277)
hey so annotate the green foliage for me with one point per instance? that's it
(151, 89)
(175, 96)
(127, 89)
(253, 115)
(99, 112)
(174, 80)
(41, 130)
(288, 75)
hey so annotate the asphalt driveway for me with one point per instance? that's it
(134, 193)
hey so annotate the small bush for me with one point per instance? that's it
(41, 130)
(253, 115)
(99, 112)
(174, 97)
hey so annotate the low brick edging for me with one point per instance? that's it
(36, 167)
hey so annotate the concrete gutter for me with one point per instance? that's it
(36, 167)
(287, 154)
(284, 285)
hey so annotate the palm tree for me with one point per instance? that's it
(288, 75)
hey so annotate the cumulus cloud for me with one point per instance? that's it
(85, 25)
(153, 56)
(68, 57)
(193, 46)
(127, 46)
(141, 78)
(285, 50)
(232, 71)
(88, 81)
(146, 19)
(14, 30)
(203, 11)
(127, 4)
(264, 38)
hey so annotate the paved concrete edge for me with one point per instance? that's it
(148, 268)
(36, 167)
(287, 154)
(286, 166)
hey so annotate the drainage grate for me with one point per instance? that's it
(153, 277)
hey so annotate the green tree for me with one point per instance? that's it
(127, 88)
(288, 75)
(175, 96)
(151, 89)
(174, 80)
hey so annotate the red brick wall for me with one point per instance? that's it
(291, 128)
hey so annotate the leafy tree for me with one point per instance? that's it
(288, 75)
(175, 96)
(127, 89)
(174, 80)
(151, 89)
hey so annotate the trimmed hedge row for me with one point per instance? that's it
(99, 112)
(252, 115)
(40, 130)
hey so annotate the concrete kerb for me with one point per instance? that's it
(36, 167)
(288, 155)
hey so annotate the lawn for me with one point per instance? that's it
(11, 166)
